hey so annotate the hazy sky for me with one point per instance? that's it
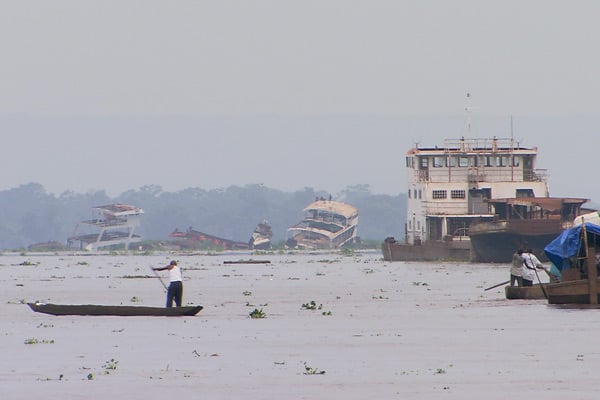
(113, 95)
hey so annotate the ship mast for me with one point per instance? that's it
(469, 115)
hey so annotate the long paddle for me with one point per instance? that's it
(500, 284)
(159, 278)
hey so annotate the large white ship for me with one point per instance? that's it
(112, 225)
(450, 189)
(326, 224)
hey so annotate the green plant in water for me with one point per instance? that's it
(312, 371)
(37, 341)
(90, 376)
(257, 314)
(111, 364)
(312, 305)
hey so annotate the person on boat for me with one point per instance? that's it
(175, 289)
(516, 269)
(530, 266)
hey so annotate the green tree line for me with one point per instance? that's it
(30, 215)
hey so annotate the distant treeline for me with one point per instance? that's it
(30, 215)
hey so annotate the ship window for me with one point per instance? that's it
(463, 161)
(489, 161)
(475, 161)
(457, 194)
(502, 161)
(516, 161)
(451, 162)
(419, 194)
(409, 193)
(409, 225)
(439, 194)
(424, 162)
(438, 162)
(415, 193)
(418, 225)
(525, 193)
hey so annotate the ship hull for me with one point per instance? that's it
(499, 247)
(535, 292)
(428, 251)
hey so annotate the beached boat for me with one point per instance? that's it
(521, 222)
(192, 238)
(448, 191)
(261, 237)
(123, 311)
(534, 292)
(573, 252)
(112, 225)
(327, 224)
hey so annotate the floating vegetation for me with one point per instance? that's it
(90, 377)
(110, 364)
(82, 263)
(247, 293)
(326, 313)
(312, 371)
(38, 341)
(312, 305)
(258, 314)
(420, 284)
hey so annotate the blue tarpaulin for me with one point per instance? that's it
(567, 245)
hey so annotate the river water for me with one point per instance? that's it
(381, 330)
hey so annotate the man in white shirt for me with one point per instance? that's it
(175, 289)
(530, 266)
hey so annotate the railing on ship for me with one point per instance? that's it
(474, 175)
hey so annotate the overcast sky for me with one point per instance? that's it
(114, 95)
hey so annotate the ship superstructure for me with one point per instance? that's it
(449, 188)
(112, 225)
(327, 224)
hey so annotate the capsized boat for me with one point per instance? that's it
(112, 225)
(327, 224)
(261, 237)
(123, 311)
(573, 252)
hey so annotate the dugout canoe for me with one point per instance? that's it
(122, 311)
(534, 292)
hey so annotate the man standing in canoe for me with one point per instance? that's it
(516, 269)
(175, 289)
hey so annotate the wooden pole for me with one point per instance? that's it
(592, 275)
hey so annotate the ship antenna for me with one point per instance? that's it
(469, 119)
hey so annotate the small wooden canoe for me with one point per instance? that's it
(534, 292)
(123, 311)
(248, 262)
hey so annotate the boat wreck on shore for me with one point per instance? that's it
(192, 238)
(327, 224)
(261, 237)
(112, 225)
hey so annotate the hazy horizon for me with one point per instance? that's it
(111, 95)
